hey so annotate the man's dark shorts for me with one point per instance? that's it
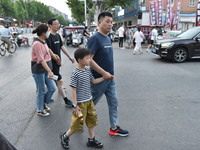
(56, 70)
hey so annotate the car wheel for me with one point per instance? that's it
(179, 55)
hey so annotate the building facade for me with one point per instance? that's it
(187, 12)
(138, 13)
(128, 16)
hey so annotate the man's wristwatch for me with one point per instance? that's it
(74, 105)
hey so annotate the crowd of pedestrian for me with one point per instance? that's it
(92, 78)
(134, 37)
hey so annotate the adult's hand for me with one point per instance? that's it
(107, 76)
(72, 59)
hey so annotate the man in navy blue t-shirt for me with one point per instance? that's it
(103, 66)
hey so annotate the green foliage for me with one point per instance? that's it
(8, 8)
(77, 7)
(30, 10)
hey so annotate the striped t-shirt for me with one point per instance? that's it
(81, 80)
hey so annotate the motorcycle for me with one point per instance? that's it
(76, 40)
(21, 39)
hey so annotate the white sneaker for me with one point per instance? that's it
(47, 108)
(147, 50)
(43, 113)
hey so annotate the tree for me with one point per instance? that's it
(8, 9)
(77, 7)
(20, 10)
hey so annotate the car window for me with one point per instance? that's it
(198, 36)
(189, 33)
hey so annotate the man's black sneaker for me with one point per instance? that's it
(118, 131)
(68, 103)
(64, 140)
(94, 143)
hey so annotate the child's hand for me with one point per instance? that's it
(112, 77)
(76, 110)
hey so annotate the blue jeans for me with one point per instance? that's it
(109, 89)
(43, 96)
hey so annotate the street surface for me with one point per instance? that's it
(158, 104)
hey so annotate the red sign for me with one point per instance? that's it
(160, 11)
(167, 21)
(176, 17)
(153, 12)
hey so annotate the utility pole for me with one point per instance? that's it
(85, 11)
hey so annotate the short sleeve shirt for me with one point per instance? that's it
(101, 47)
(121, 32)
(81, 80)
(55, 43)
(5, 33)
(40, 52)
(154, 33)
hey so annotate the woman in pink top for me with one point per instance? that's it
(41, 70)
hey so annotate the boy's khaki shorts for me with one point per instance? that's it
(89, 117)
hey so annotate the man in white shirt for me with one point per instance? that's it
(154, 35)
(121, 36)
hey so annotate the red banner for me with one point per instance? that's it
(160, 11)
(176, 17)
(167, 16)
(198, 14)
(171, 15)
(152, 12)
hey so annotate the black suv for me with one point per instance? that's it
(185, 46)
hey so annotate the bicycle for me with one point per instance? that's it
(4, 47)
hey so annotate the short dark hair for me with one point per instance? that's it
(80, 53)
(103, 15)
(51, 21)
(42, 28)
(139, 29)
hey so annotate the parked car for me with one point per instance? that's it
(180, 48)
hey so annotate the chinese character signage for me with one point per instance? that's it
(176, 17)
(198, 14)
(160, 11)
(153, 12)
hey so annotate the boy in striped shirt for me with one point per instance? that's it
(82, 100)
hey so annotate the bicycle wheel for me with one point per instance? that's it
(2, 49)
(13, 47)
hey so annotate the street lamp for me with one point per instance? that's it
(85, 12)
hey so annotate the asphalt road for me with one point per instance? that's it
(159, 104)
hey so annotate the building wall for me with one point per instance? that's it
(185, 8)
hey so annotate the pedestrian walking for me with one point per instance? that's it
(139, 37)
(149, 41)
(86, 36)
(41, 66)
(134, 30)
(129, 38)
(154, 35)
(102, 65)
(56, 45)
(121, 36)
(83, 106)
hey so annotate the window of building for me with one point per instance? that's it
(172, 1)
(130, 23)
(192, 2)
